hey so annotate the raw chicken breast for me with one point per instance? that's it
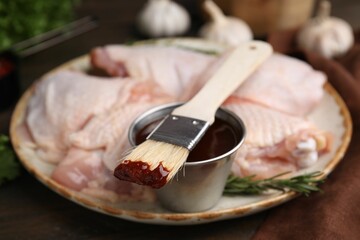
(170, 67)
(276, 142)
(282, 83)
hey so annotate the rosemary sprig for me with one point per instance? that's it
(304, 184)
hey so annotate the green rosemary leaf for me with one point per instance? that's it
(304, 184)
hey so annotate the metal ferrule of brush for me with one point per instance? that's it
(180, 131)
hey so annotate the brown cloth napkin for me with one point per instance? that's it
(334, 213)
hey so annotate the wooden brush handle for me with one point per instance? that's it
(242, 61)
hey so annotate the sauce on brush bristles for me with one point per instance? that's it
(152, 163)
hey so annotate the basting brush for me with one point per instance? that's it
(158, 159)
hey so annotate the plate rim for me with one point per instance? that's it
(165, 218)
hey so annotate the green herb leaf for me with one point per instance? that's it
(20, 20)
(304, 184)
(9, 167)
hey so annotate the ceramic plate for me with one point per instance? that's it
(332, 115)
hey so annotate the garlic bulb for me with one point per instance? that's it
(223, 29)
(325, 35)
(163, 18)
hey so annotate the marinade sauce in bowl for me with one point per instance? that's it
(198, 186)
(218, 139)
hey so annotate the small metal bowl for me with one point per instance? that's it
(198, 186)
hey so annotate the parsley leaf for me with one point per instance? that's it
(9, 167)
(22, 19)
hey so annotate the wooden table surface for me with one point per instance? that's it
(29, 210)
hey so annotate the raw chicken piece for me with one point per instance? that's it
(84, 171)
(276, 142)
(285, 84)
(73, 118)
(282, 83)
(62, 103)
(78, 168)
(170, 67)
(109, 130)
(66, 101)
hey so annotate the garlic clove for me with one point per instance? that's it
(306, 153)
(227, 30)
(325, 35)
(308, 160)
(163, 18)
